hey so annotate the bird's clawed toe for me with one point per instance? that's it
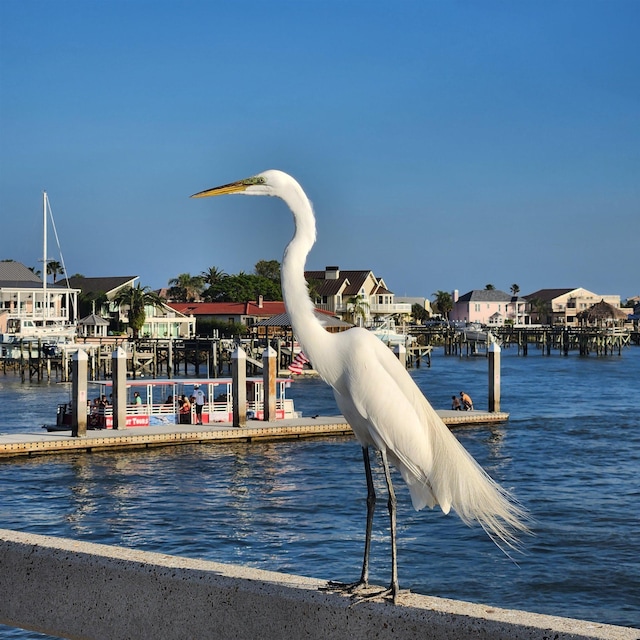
(362, 591)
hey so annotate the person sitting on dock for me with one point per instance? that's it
(185, 410)
(467, 403)
(455, 403)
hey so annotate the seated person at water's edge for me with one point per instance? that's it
(455, 403)
(467, 403)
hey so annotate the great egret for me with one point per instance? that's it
(380, 400)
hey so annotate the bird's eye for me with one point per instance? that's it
(255, 180)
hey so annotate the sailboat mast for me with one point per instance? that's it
(45, 310)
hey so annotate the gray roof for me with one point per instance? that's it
(16, 274)
(547, 295)
(488, 295)
(93, 320)
(100, 285)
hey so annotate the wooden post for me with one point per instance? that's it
(239, 384)
(269, 371)
(401, 353)
(79, 393)
(119, 377)
(494, 377)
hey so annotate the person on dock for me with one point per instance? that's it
(185, 410)
(455, 403)
(198, 398)
(467, 403)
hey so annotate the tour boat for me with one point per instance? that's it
(160, 403)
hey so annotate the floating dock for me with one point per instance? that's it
(32, 444)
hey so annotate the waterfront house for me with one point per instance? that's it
(562, 306)
(100, 292)
(30, 305)
(246, 313)
(339, 291)
(488, 307)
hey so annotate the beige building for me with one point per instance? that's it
(335, 290)
(562, 306)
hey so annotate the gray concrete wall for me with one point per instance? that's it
(90, 591)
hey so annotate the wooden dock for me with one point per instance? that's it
(33, 444)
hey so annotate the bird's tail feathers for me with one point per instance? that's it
(450, 477)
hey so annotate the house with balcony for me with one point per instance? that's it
(100, 293)
(562, 306)
(488, 307)
(31, 308)
(338, 290)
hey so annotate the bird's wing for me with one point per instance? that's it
(387, 409)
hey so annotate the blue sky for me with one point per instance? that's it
(445, 145)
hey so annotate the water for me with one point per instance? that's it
(570, 452)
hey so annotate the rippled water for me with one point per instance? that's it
(570, 452)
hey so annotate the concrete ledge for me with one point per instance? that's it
(90, 591)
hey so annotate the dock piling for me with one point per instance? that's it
(494, 377)
(79, 366)
(119, 376)
(239, 379)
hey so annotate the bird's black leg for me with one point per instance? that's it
(394, 587)
(371, 506)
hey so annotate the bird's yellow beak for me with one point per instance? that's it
(233, 187)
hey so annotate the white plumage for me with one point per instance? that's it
(380, 400)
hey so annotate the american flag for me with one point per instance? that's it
(298, 364)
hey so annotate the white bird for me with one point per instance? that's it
(380, 400)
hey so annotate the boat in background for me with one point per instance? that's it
(160, 403)
(386, 331)
(35, 311)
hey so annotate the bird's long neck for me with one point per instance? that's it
(308, 330)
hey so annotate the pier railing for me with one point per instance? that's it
(76, 589)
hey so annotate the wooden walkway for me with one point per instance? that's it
(32, 444)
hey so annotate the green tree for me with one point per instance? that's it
(542, 310)
(489, 287)
(313, 286)
(443, 303)
(357, 308)
(94, 300)
(135, 299)
(54, 268)
(515, 289)
(268, 269)
(212, 276)
(243, 287)
(186, 288)
(419, 313)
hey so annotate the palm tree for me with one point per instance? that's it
(357, 307)
(136, 299)
(542, 309)
(489, 287)
(55, 269)
(515, 289)
(443, 303)
(213, 276)
(186, 288)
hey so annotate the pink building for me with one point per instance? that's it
(488, 306)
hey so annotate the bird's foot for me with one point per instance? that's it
(361, 591)
(346, 587)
